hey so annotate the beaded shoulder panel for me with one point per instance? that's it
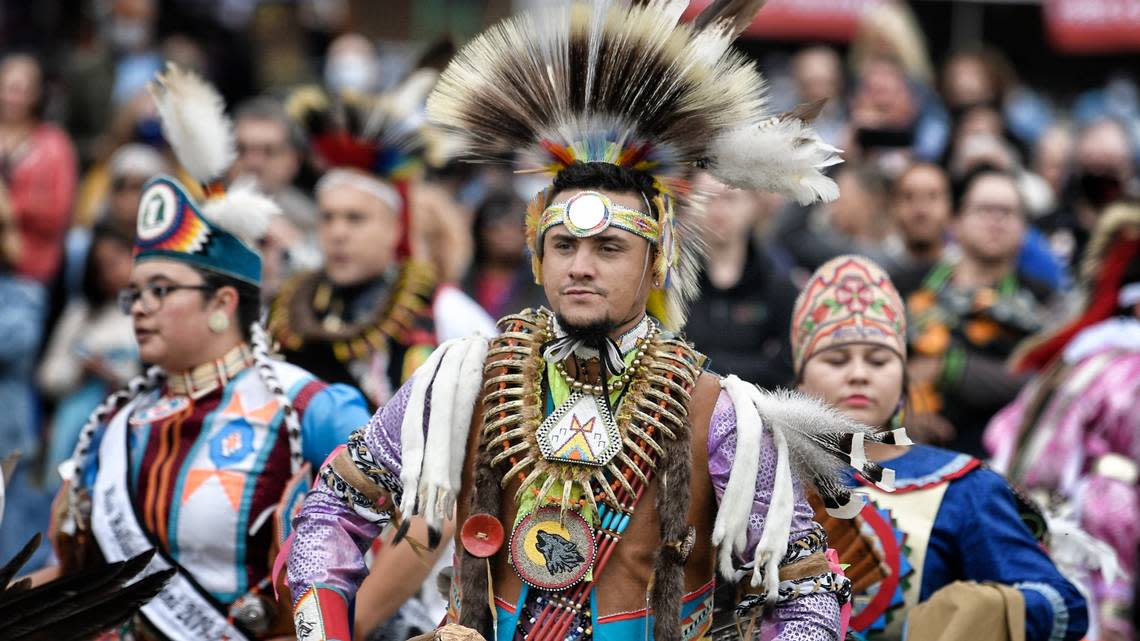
(654, 408)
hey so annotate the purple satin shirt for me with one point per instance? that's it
(330, 538)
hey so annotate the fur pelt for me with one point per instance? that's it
(485, 499)
(673, 509)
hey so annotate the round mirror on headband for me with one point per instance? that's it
(587, 214)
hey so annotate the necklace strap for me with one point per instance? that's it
(207, 377)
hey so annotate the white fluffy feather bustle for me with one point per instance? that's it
(243, 211)
(782, 156)
(194, 122)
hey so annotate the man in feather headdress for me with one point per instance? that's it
(592, 462)
(392, 245)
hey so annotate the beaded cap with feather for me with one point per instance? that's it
(221, 233)
(626, 84)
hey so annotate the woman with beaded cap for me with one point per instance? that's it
(206, 456)
(592, 462)
(948, 519)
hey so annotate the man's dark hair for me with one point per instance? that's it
(963, 185)
(604, 175)
(249, 298)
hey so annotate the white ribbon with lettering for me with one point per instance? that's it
(180, 611)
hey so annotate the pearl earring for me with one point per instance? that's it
(218, 322)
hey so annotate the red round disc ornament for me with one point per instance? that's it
(481, 535)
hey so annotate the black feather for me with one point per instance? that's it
(739, 13)
(98, 613)
(69, 591)
(12, 567)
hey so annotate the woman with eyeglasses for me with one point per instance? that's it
(204, 457)
(946, 555)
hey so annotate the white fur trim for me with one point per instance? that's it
(412, 430)
(1113, 333)
(455, 385)
(730, 531)
(1129, 295)
(243, 212)
(194, 122)
(782, 156)
(370, 185)
(777, 523)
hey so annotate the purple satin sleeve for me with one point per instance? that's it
(329, 537)
(813, 617)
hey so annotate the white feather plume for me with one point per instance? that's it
(782, 156)
(194, 122)
(243, 211)
(796, 423)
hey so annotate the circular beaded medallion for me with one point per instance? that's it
(552, 549)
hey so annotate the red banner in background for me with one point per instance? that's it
(832, 20)
(1093, 26)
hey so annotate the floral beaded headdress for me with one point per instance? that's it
(849, 299)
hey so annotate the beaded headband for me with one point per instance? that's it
(590, 213)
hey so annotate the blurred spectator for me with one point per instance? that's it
(92, 351)
(270, 149)
(500, 278)
(285, 251)
(982, 77)
(112, 197)
(743, 314)
(37, 162)
(23, 303)
(857, 222)
(88, 72)
(1118, 99)
(1052, 156)
(977, 145)
(921, 208)
(889, 32)
(351, 65)
(818, 75)
(1103, 171)
(130, 28)
(969, 314)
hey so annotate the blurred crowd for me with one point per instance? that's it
(976, 192)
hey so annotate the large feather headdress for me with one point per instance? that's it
(378, 142)
(625, 83)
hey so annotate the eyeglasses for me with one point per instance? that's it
(151, 296)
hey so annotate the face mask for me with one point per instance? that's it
(129, 34)
(350, 72)
(1099, 189)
